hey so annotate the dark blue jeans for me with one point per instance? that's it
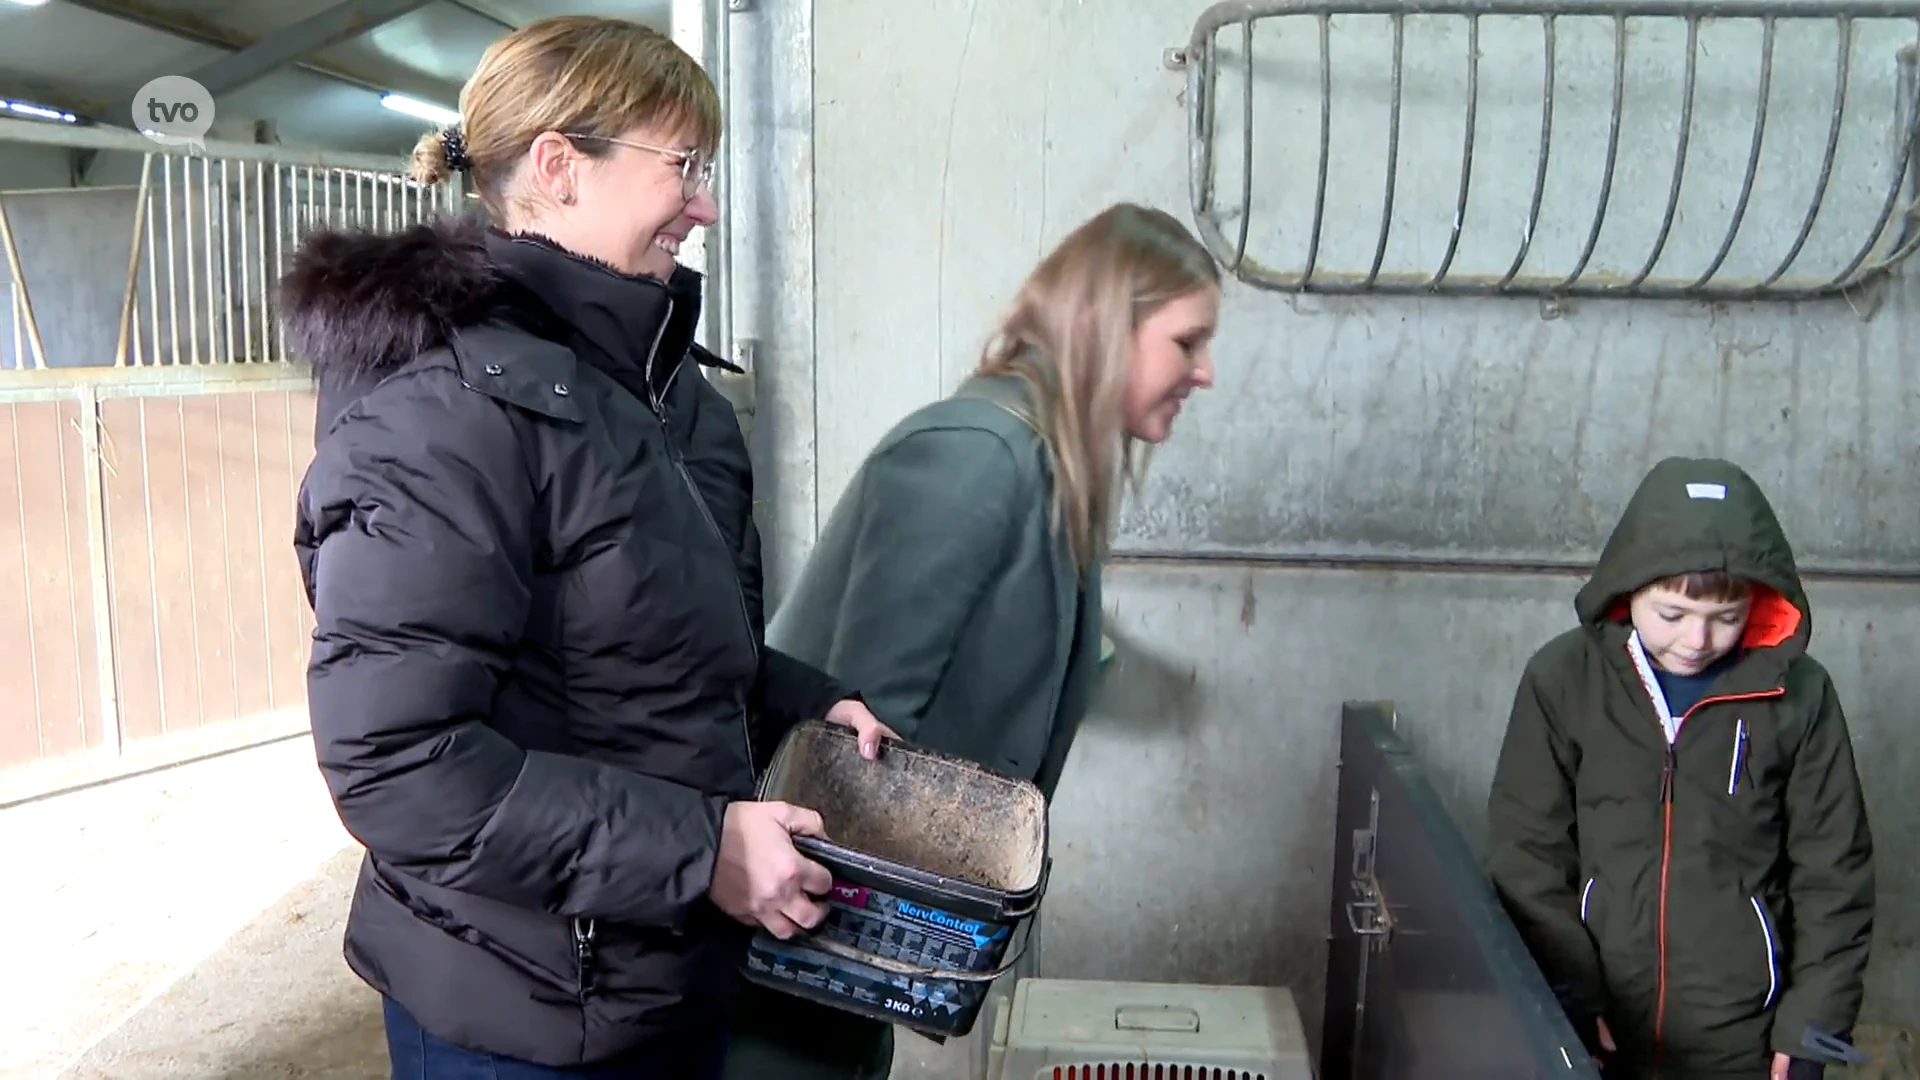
(416, 1055)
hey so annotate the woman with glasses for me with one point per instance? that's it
(538, 691)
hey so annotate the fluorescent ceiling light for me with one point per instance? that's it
(402, 104)
(38, 112)
(29, 3)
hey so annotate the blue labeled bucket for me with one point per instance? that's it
(936, 863)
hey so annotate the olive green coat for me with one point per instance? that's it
(1711, 896)
(940, 592)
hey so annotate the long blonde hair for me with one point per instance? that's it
(1069, 338)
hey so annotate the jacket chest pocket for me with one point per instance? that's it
(1740, 759)
(1747, 762)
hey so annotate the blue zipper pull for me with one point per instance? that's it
(1738, 767)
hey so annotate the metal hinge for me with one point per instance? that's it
(739, 5)
(742, 389)
(1368, 913)
(743, 352)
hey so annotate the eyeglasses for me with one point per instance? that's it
(696, 173)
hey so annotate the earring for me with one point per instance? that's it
(566, 198)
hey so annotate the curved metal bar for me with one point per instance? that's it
(1466, 150)
(1326, 145)
(1842, 73)
(1230, 12)
(1246, 149)
(1202, 76)
(1879, 253)
(1546, 147)
(1903, 251)
(1613, 151)
(1753, 157)
(1200, 82)
(1393, 146)
(1211, 92)
(1845, 278)
(1679, 155)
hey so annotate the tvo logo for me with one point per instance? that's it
(174, 110)
(161, 112)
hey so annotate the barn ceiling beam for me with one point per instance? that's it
(80, 160)
(17, 88)
(343, 21)
(490, 11)
(200, 32)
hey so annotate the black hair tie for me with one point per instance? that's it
(454, 146)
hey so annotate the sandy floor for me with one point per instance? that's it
(274, 1001)
(185, 925)
(136, 883)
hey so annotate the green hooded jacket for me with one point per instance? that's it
(1711, 897)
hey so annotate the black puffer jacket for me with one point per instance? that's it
(536, 678)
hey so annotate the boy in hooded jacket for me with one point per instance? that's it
(1676, 827)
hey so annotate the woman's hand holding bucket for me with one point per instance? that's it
(759, 878)
(853, 713)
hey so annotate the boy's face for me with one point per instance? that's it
(1684, 636)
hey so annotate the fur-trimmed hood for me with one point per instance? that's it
(359, 305)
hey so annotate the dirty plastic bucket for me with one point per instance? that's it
(936, 863)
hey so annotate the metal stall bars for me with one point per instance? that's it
(1865, 227)
(145, 522)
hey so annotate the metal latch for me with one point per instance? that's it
(1368, 913)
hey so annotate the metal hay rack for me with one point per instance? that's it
(1656, 149)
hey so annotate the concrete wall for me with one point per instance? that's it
(910, 162)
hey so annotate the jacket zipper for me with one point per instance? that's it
(700, 503)
(1667, 785)
(1666, 864)
(583, 932)
(1642, 667)
(739, 594)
